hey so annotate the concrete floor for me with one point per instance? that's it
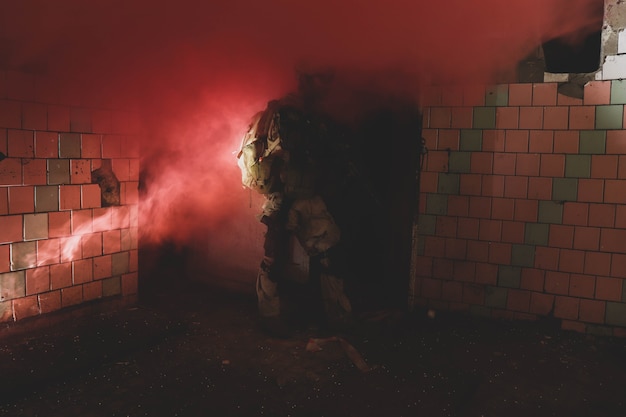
(197, 350)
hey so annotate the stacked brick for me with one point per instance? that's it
(58, 246)
(523, 204)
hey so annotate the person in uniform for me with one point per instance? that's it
(278, 159)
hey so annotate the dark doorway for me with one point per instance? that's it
(376, 212)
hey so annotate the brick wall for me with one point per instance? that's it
(58, 246)
(523, 203)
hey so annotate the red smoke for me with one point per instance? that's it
(197, 70)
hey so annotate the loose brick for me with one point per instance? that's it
(609, 289)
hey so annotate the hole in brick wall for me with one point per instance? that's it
(108, 182)
(577, 52)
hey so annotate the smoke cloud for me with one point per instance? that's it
(197, 70)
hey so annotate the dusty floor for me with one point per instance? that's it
(199, 352)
